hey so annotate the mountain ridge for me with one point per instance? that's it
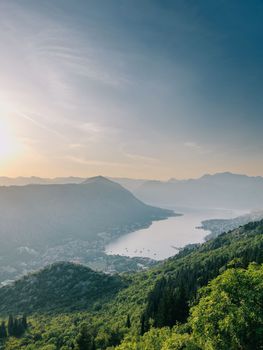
(220, 190)
(23, 180)
(61, 221)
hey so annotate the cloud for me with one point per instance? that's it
(36, 122)
(84, 161)
(197, 147)
(193, 145)
(84, 133)
(141, 158)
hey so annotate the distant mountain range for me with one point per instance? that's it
(221, 190)
(34, 180)
(51, 222)
(129, 184)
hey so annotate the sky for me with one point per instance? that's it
(131, 88)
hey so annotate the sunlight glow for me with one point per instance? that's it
(9, 146)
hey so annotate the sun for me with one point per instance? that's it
(8, 143)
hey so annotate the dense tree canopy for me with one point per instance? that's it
(229, 314)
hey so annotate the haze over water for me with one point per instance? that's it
(160, 240)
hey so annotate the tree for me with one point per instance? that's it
(229, 313)
(85, 338)
(179, 341)
(3, 332)
(128, 321)
(24, 322)
(143, 325)
(16, 328)
(10, 325)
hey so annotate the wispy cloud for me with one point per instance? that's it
(196, 147)
(191, 144)
(141, 158)
(84, 161)
(35, 121)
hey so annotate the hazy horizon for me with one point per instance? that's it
(139, 89)
(132, 178)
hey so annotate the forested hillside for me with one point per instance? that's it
(163, 308)
(227, 314)
(60, 287)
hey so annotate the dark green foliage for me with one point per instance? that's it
(128, 321)
(85, 338)
(227, 316)
(230, 311)
(59, 287)
(24, 321)
(3, 331)
(168, 303)
(16, 326)
(144, 326)
(10, 325)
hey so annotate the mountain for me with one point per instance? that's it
(222, 190)
(218, 226)
(44, 223)
(129, 184)
(34, 180)
(117, 307)
(34, 215)
(59, 287)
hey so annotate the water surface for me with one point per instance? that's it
(162, 238)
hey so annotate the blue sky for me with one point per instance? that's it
(149, 89)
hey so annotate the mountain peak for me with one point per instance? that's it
(97, 179)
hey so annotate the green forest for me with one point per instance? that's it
(209, 296)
